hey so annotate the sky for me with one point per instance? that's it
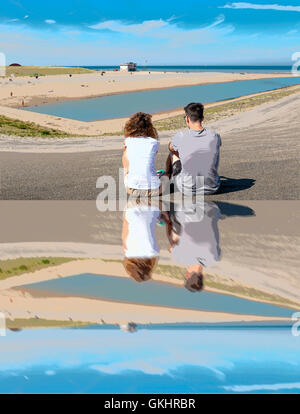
(169, 32)
(87, 360)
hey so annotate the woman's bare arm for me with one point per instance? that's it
(125, 233)
(125, 161)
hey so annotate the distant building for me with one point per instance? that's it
(128, 67)
(15, 64)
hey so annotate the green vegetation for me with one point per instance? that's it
(15, 267)
(42, 323)
(44, 70)
(10, 126)
(225, 285)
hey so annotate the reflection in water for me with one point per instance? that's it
(192, 232)
(139, 240)
(235, 337)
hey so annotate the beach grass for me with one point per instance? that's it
(18, 324)
(44, 70)
(16, 267)
(9, 126)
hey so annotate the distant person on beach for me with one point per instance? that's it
(139, 154)
(194, 153)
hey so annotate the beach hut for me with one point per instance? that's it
(128, 67)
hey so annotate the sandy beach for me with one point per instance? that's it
(57, 88)
(61, 87)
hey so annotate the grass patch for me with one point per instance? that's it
(44, 70)
(15, 267)
(10, 126)
(42, 323)
(224, 285)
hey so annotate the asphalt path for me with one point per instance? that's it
(259, 158)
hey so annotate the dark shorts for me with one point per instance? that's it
(176, 168)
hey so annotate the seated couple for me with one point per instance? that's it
(193, 153)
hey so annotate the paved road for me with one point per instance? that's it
(260, 156)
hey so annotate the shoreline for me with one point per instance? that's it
(59, 88)
(40, 100)
(112, 127)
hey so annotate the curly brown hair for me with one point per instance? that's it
(138, 268)
(140, 125)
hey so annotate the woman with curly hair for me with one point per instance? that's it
(140, 148)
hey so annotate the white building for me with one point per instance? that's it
(128, 67)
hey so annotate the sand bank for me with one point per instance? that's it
(59, 88)
(25, 306)
(62, 87)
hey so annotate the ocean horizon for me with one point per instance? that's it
(200, 68)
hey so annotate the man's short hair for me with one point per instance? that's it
(195, 282)
(194, 111)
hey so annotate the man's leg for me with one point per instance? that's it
(173, 165)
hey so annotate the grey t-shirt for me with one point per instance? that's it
(199, 238)
(199, 153)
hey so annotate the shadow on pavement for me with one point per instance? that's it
(230, 185)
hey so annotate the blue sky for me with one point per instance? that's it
(230, 360)
(93, 32)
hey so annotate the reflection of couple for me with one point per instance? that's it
(192, 233)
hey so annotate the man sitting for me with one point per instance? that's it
(195, 153)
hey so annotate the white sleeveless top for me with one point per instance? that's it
(141, 152)
(141, 239)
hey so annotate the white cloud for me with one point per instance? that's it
(291, 32)
(263, 387)
(26, 17)
(50, 372)
(260, 7)
(165, 29)
(139, 29)
(50, 21)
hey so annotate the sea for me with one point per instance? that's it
(202, 68)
